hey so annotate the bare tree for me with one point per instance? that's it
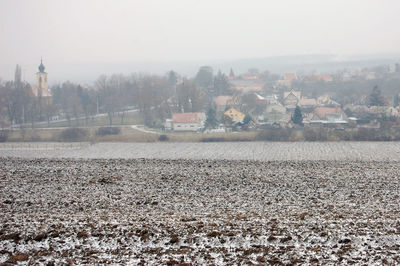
(50, 110)
(70, 102)
(107, 89)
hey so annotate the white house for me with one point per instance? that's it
(188, 121)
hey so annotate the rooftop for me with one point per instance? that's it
(222, 100)
(185, 118)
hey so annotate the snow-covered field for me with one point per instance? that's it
(264, 151)
(308, 207)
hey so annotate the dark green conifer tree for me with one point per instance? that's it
(297, 116)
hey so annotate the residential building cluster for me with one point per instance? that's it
(272, 104)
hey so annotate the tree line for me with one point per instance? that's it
(155, 97)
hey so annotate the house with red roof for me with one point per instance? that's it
(246, 85)
(324, 112)
(188, 121)
(327, 115)
(290, 76)
(326, 78)
(287, 80)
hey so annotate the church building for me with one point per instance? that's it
(41, 89)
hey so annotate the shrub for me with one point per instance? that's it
(274, 134)
(104, 131)
(339, 135)
(296, 134)
(163, 138)
(362, 134)
(74, 134)
(311, 134)
(213, 139)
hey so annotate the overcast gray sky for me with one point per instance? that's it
(76, 31)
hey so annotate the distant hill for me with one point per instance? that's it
(88, 72)
(321, 63)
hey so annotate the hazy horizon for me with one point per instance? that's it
(81, 39)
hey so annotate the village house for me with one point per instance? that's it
(233, 116)
(287, 80)
(259, 100)
(272, 99)
(384, 111)
(325, 78)
(274, 113)
(307, 103)
(314, 78)
(327, 101)
(291, 99)
(247, 85)
(363, 112)
(188, 121)
(254, 99)
(253, 104)
(223, 101)
(327, 115)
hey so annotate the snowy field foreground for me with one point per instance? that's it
(149, 211)
(263, 151)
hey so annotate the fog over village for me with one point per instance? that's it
(199, 132)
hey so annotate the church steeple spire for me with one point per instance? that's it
(41, 66)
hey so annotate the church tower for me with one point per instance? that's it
(41, 78)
